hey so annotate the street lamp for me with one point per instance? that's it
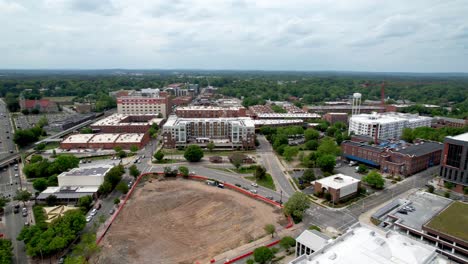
(281, 197)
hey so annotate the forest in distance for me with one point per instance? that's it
(253, 87)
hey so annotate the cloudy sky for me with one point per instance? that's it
(355, 35)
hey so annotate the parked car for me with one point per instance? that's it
(238, 185)
(279, 201)
(401, 211)
(16, 210)
(93, 212)
(269, 197)
(16, 175)
(88, 218)
(111, 211)
(254, 184)
(220, 185)
(253, 191)
(25, 213)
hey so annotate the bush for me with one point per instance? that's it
(159, 155)
(328, 196)
(193, 153)
(116, 201)
(287, 242)
(430, 189)
(374, 179)
(262, 254)
(447, 194)
(449, 185)
(314, 227)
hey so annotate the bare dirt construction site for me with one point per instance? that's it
(183, 221)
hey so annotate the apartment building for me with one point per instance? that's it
(454, 166)
(236, 132)
(385, 125)
(148, 101)
(210, 112)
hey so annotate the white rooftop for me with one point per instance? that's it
(288, 115)
(337, 181)
(386, 118)
(313, 239)
(78, 138)
(207, 108)
(117, 120)
(89, 171)
(277, 121)
(461, 137)
(104, 138)
(130, 137)
(369, 246)
(244, 121)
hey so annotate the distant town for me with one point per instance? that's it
(199, 167)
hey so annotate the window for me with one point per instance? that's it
(454, 155)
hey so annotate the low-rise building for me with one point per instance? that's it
(339, 186)
(224, 132)
(429, 218)
(305, 116)
(441, 121)
(277, 122)
(342, 108)
(140, 103)
(310, 241)
(43, 105)
(105, 141)
(394, 157)
(118, 123)
(332, 118)
(363, 244)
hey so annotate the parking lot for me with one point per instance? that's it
(28, 121)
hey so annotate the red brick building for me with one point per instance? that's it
(118, 123)
(332, 118)
(395, 159)
(181, 100)
(339, 186)
(105, 141)
(43, 105)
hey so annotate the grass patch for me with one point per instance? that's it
(39, 216)
(52, 145)
(267, 182)
(165, 161)
(452, 220)
(246, 170)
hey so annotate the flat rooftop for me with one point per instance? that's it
(313, 239)
(461, 137)
(119, 120)
(422, 148)
(452, 221)
(104, 138)
(207, 108)
(288, 115)
(387, 118)
(86, 171)
(244, 121)
(277, 121)
(78, 138)
(426, 206)
(365, 245)
(337, 181)
(130, 138)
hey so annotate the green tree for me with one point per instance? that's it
(117, 149)
(40, 147)
(6, 251)
(311, 144)
(296, 205)
(122, 187)
(408, 135)
(122, 154)
(311, 134)
(290, 152)
(134, 171)
(449, 185)
(210, 146)
(86, 130)
(159, 155)
(36, 158)
(40, 184)
(3, 202)
(430, 189)
(287, 242)
(116, 201)
(326, 163)
(260, 172)
(328, 147)
(270, 229)
(105, 188)
(184, 171)
(362, 168)
(374, 179)
(237, 159)
(308, 175)
(134, 148)
(87, 246)
(85, 202)
(63, 163)
(263, 255)
(193, 153)
(23, 196)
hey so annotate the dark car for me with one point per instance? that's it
(16, 210)
(269, 197)
(278, 201)
(403, 212)
(238, 185)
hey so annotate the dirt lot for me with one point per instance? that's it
(181, 221)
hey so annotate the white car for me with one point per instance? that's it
(88, 219)
(253, 191)
(93, 212)
(16, 175)
(254, 184)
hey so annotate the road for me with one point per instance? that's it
(7, 147)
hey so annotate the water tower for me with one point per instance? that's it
(356, 106)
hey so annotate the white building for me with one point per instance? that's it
(366, 245)
(385, 125)
(310, 241)
(339, 186)
(239, 131)
(85, 176)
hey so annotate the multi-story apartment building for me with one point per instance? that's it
(224, 132)
(150, 101)
(454, 167)
(210, 112)
(385, 125)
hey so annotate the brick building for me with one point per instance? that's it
(118, 123)
(393, 157)
(346, 108)
(454, 165)
(105, 141)
(181, 100)
(332, 118)
(339, 186)
(440, 121)
(137, 103)
(210, 112)
(43, 105)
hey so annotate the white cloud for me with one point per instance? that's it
(237, 34)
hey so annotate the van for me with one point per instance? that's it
(220, 185)
(210, 182)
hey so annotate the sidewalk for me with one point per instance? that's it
(226, 256)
